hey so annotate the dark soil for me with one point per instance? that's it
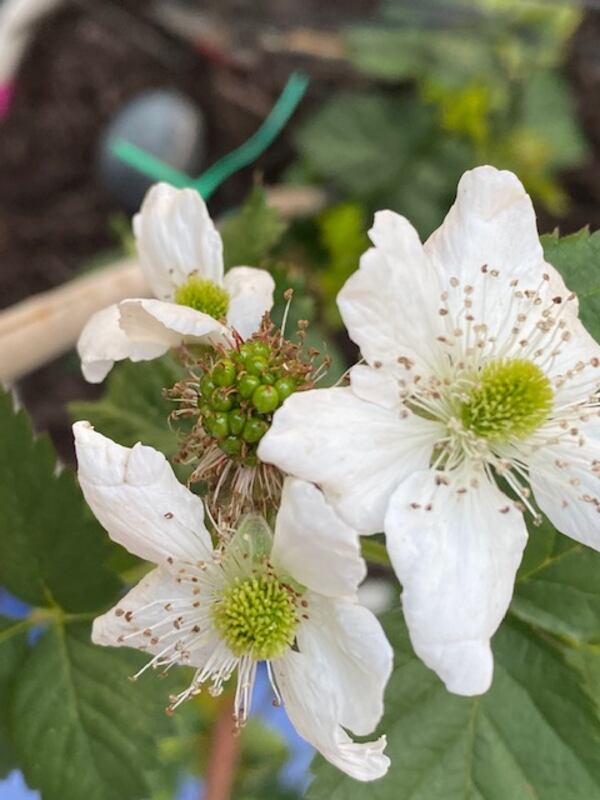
(86, 61)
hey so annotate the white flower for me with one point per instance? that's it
(181, 254)
(479, 379)
(290, 600)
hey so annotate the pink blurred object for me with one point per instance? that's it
(7, 91)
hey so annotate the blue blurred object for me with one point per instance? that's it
(15, 788)
(189, 789)
(295, 773)
(162, 122)
(11, 606)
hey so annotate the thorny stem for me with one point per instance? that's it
(223, 755)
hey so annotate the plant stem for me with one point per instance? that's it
(374, 552)
(224, 755)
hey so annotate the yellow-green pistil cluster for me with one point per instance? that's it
(512, 398)
(257, 617)
(203, 295)
(239, 395)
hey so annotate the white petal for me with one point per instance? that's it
(565, 479)
(574, 366)
(140, 620)
(135, 495)
(390, 305)
(492, 222)
(170, 324)
(176, 237)
(348, 642)
(103, 341)
(456, 555)
(313, 545)
(250, 296)
(310, 699)
(378, 386)
(357, 452)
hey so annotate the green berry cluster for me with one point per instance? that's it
(238, 396)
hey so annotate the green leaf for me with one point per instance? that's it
(13, 649)
(133, 408)
(577, 258)
(540, 546)
(562, 593)
(51, 548)
(533, 736)
(251, 234)
(80, 727)
(587, 661)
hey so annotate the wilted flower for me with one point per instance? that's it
(480, 385)
(289, 599)
(181, 254)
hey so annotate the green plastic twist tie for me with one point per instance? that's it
(246, 154)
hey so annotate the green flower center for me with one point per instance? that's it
(203, 295)
(257, 617)
(511, 400)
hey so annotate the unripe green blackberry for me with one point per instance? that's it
(244, 352)
(221, 400)
(218, 425)
(256, 365)
(237, 420)
(232, 446)
(260, 349)
(254, 430)
(246, 385)
(285, 387)
(207, 386)
(224, 373)
(265, 399)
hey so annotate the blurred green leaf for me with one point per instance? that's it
(359, 140)
(487, 72)
(386, 151)
(133, 408)
(535, 734)
(251, 234)
(388, 53)
(52, 550)
(577, 258)
(80, 727)
(344, 238)
(548, 109)
(263, 755)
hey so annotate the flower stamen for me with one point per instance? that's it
(204, 296)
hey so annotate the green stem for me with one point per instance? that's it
(374, 552)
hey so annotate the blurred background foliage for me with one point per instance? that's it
(452, 85)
